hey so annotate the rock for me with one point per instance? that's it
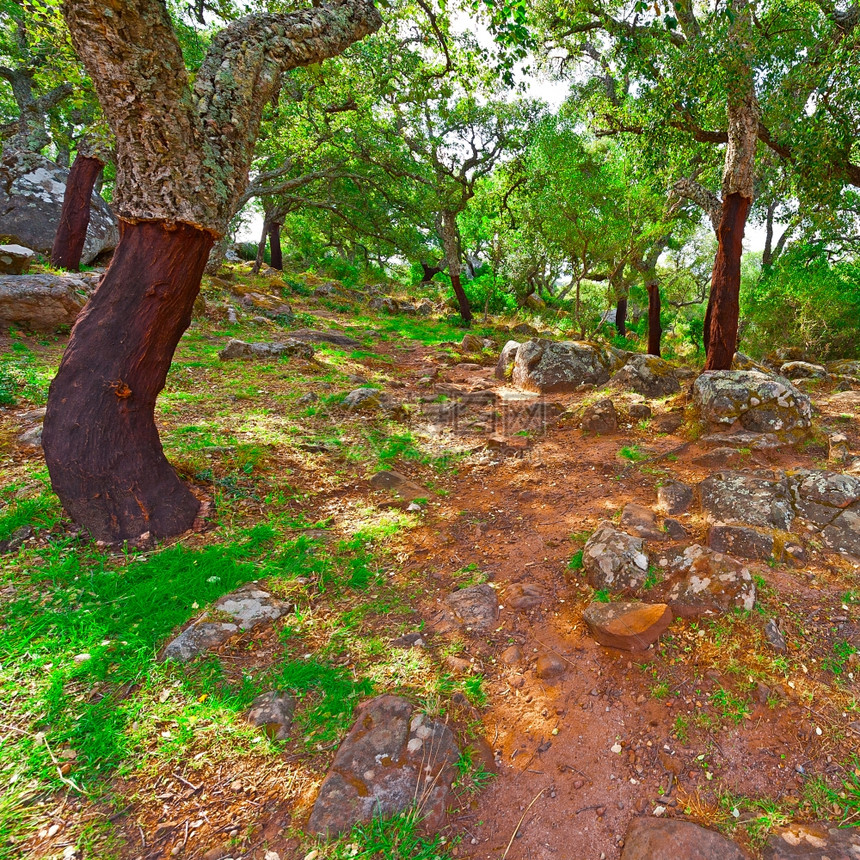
(845, 367)
(31, 200)
(307, 399)
(674, 497)
(614, 560)
(647, 375)
(674, 529)
(639, 411)
(774, 636)
(34, 414)
(843, 534)
(650, 838)
(406, 308)
(803, 370)
(505, 365)
(338, 338)
(325, 291)
(471, 343)
(759, 498)
(270, 307)
(626, 625)
(760, 402)
(817, 841)
(549, 666)
(273, 712)
(386, 304)
(719, 458)
(641, 521)
(41, 301)
(702, 581)
(512, 654)
(364, 399)
(424, 308)
(819, 497)
(292, 348)
(744, 362)
(248, 608)
(16, 540)
(457, 665)
(31, 438)
(475, 608)
(524, 596)
(534, 302)
(741, 541)
(742, 439)
(600, 417)
(15, 259)
(669, 422)
(545, 367)
(524, 329)
(410, 640)
(837, 448)
(399, 484)
(391, 758)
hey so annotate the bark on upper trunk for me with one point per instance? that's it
(75, 216)
(621, 317)
(450, 235)
(277, 259)
(655, 330)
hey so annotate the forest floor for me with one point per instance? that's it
(108, 752)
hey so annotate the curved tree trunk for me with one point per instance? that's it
(261, 247)
(75, 216)
(427, 272)
(451, 244)
(721, 318)
(275, 246)
(621, 317)
(100, 439)
(655, 332)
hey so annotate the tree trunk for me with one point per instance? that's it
(75, 215)
(721, 318)
(621, 317)
(100, 440)
(450, 236)
(261, 247)
(655, 332)
(427, 272)
(462, 300)
(275, 246)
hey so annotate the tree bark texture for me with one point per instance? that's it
(277, 258)
(621, 317)
(427, 272)
(721, 318)
(655, 331)
(100, 440)
(75, 215)
(450, 236)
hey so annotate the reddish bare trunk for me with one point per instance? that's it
(75, 216)
(462, 300)
(100, 440)
(721, 319)
(655, 332)
(275, 246)
(621, 317)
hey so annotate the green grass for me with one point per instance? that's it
(576, 561)
(633, 453)
(730, 707)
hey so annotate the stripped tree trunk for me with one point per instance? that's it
(261, 247)
(621, 316)
(721, 318)
(75, 215)
(450, 236)
(655, 331)
(277, 259)
(182, 163)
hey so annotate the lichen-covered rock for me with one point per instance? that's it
(652, 838)
(15, 259)
(647, 375)
(845, 367)
(273, 713)
(545, 366)
(364, 399)
(744, 362)
(820, 497)
(813, 841)
(641, 521)
(524, 329)
(424, 308)
(290, 347)
(31, 200)
(674, 497)
(614, 561)
(505, 366)
(268, 306)
(471, 343)
(760, 402)
(759, 498)
(802, 370)
(701, 581)
(41, 302)
(741, 541)
(386, 304)
(473, 608)
(600, 417)
(392, 759)
(626, 625)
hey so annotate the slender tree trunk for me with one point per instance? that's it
(655, 332)
(75, 215)
(721, 318)
(100, 439)
(275, 246)
(621, 317)
(451, 245)
(261, 247)
(427, 272)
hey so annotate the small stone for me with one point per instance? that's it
(674, 529)
(549, 666)
(674, 497)
(616, 748)
(512, 654)
(600, 417)
(626, 625)
(273, 712)
(774, 636)
(641, 521)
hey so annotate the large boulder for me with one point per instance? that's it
(31, 200)
(546, 367)
(759, 498)
(647, 375)
(830, 501)
(845, 367)
(650, 838)
(41, 301)
(15, 259)
(802, 370)
(614, 561)
(813, 842)
(290, 347)
(391, 760)
(758, 401)
(505, 364)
